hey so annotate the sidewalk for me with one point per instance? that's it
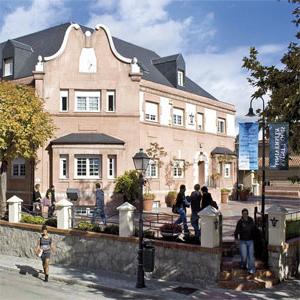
(155, 289)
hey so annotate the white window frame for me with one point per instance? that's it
(180, 77)
(200, 121)
(227, 170)
(8, 66)
(111, 93)
(151, 111)
(112, 166)
(63, 159)
(87, 95)
(87, 158)
(153, 166)
(220, 121)
(19, 163)
(178, 168)
(178, 112)
(64, 93)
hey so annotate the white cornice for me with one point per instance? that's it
(64, 43)
(112, 46)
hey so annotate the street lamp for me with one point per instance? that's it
(141, 162)
(252, 114)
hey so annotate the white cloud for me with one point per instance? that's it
(147, 23)
(39, 15)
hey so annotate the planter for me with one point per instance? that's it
(244, 195)
(148, 204)
(224, 197)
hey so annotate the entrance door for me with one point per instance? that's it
(201, 173)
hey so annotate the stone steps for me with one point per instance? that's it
(283, 193)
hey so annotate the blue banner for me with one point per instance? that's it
(279, 144)
(248, 146)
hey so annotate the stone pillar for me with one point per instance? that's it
(209, 220)
(64, 214)
(276, 218)
(126, 217)
(14, 209)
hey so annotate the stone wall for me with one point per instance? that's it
(173, 261)
(285, 260)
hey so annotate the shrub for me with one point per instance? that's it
(149, 196)
(51, 222)
(111, 229)
(85, 226)
(128, 185)
(224, 190)
(148, 234)
(26, 218)
(170, 199)
(172, 228)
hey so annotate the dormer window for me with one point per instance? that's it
(180, 76)
(7, 67)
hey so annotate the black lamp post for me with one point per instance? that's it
(141, 162)
(252, 114)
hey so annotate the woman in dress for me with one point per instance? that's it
(43, 249)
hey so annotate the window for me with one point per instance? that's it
(227, 170)
(111, 102)
(64, 101)
(180, 75)
(87, 167)
(151, 112)
(111, 161)
(200, 121)
(7, 67)
(221, 125)
(178, 168)
(18, 167)
(63, 167)
(87, 101)
(152, 170)
(178, 116)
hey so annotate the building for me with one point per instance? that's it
(108, 99)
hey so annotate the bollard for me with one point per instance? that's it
(277, 226)
(63, 214)
(126, 214)
(14, 209)
(209, 220)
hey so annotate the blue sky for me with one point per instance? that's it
(212, 35)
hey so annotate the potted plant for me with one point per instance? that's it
(148, 201)
(244, 193)
(224, 195)
(170, 231)
(170, 199)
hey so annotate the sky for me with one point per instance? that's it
(213, 36)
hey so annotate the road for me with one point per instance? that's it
(14, 286)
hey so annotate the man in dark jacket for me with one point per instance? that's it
(195, 200)
(181, 203)
(207, 199)
(245, 232)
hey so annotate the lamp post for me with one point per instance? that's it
(141, 162)
(252, 114)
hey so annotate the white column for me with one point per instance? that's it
(14, 209)
(126, 217)
(276, 217)
(64, 214)
(209, 221)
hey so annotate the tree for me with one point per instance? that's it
(281, 84)
(24, 128)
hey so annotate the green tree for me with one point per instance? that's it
(24, 128)
(282, 85)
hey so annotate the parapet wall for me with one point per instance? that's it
(173, 261)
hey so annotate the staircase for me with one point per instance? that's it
(283, 190)
(232, 277)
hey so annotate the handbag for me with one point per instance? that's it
(174, 209)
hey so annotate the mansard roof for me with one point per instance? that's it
(48, 41)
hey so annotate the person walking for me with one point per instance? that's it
(99, 209)
(195, 200)
(245, 232)
(36, 199)
(46, 204)
(51, 210)
(43, 250)
(181, 204)
(207, 199)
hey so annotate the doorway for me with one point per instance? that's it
(201, 173)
